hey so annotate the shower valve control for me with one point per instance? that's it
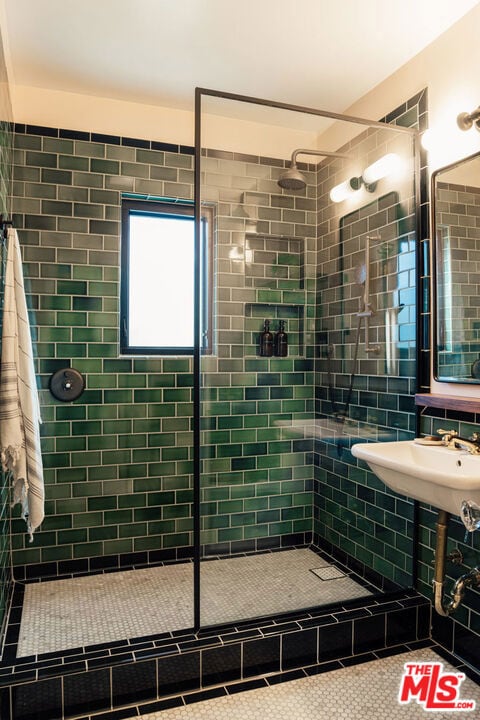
(67, 384)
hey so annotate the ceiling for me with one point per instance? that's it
(317, 53)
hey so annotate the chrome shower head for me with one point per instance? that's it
(292, 179)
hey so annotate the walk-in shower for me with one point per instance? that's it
(186, 492)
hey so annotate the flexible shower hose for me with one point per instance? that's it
(341, 415)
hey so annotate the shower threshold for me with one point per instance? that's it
(102, 608)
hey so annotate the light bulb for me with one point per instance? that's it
(428, 139)
(340, 192)
(381, 168)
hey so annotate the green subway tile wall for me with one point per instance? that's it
(6, 142)
(354, 511)
(118, 461)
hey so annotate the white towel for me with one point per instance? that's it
(19, 404)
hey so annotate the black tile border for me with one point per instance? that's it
(202, 656)
(71, 134)
(230, 689)
(169, 643)
(404, 615)
(61, 133)
(291, 675)
(470, 672)
(62, 569)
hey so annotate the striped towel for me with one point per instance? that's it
(19, 404)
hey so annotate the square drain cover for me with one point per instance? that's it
(328, 573)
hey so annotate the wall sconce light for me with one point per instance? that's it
(386, 165)
(348, 187)
(369, 178)
(341, 192)
(465, 120)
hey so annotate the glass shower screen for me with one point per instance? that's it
(265, 519)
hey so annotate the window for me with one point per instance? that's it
(157, 278)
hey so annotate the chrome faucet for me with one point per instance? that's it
(451, 439)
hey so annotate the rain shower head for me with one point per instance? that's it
(292, 179)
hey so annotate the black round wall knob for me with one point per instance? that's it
(67, 384)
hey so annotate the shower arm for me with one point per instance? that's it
(324, 153)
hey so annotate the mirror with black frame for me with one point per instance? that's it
(456, 271)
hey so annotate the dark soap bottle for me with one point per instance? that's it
(281, 340)
(266, 340)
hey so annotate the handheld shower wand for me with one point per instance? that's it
(367, 310)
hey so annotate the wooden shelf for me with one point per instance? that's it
(448, 402)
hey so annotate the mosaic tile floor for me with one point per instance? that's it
(361, 692)
(75, 612)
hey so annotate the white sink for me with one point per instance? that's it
(439, 476)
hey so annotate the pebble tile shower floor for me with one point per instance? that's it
(360, 692)
(73, 612)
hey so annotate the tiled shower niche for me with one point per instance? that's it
(275, 268)
(292, 315)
